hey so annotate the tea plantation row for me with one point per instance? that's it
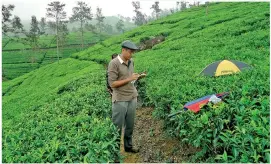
(59, 113)
(235, 131)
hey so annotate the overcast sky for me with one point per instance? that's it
(26, 8)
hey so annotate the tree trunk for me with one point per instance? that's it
(100, 35)
(57, 51)
(82, 35)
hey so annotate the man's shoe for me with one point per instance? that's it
(132, 150)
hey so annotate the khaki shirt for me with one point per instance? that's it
(118, 70)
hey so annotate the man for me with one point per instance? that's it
(121, 78)
(109, 89)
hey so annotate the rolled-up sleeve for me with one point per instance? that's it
(112, 73)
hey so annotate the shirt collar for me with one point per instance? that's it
(121, 61)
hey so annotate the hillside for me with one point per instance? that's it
(111, 20)
(19, 58)
(63, 110)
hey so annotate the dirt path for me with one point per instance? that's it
(155, 146)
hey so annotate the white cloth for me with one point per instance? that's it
(214, 99)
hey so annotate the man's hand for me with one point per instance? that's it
(142, 75)
(135, 76)
(120, 83)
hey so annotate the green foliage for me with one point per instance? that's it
(27, 56)
(18, 62)
(6, 14)
(71, 129)
(70, 97)
(17, 25)
(100, 19)
(11, 71)
(120, 26)
(44, 41)
(236, 131)
(63, 116)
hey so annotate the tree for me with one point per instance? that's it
(150, 17)
(74, 29)
(17, 26)
(127, 19)
(6, 27)
(136, 5)
(81, 13)
(177, 6)
(120, 26)
(57, 13)
(196, 3)
(140, 18)
(206, 9)
(156, 9)
(51, 27)
(183, 5)
(63, 33)
(6, 22)
(33, 36)
(108, 28)
(100, 19)
(121, 17)
(34, 31)
(91, 28)
(6, 14)
(42, 25)
(166, 12)
(172, 11)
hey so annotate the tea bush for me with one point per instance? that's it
(233, 31)
(234, 131)
(59, 113)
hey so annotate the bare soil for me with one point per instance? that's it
(155, 145)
